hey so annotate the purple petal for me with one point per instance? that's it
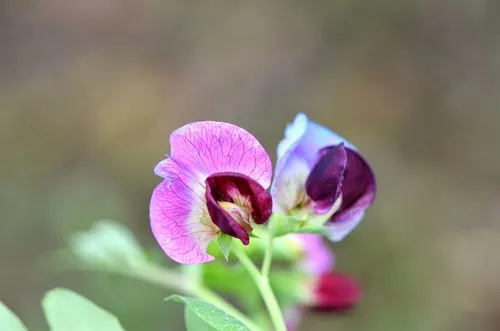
(178, 216)
(297, 154)
(358, 193)
(318, 257)
(324, 183)
(205, 148)
(230, 187)
(306, 138)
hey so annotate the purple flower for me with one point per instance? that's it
(320, 175)
(323, 289)
(215, 182)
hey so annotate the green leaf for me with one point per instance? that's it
(107, 243)
(211, 315)
(195, 323)
(224, 241)
(9, 321)
(66, 310)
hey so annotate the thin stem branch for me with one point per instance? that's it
(268, 257)
(264, 287)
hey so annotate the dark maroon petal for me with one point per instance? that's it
(220, 187)
(336, 292)
(225, 221)
(324, 183)
(358, 188)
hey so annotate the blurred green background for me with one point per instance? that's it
(90, 90)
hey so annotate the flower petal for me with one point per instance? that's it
(324, 183)
(179, 220)
(229, 187)
(293, 132)
(358, 193)
(297, 154)
(318, 259)
(306, 138)
(205, 148)
(289, 180)
(335, 291)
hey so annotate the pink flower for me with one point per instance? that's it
(325, 290)
(334, 291)
(215, 181)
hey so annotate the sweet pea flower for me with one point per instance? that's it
(334, 291)
(324, 290)
(329, 290)
(215, 182)
(321, 176)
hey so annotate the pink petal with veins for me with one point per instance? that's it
(209, 147)
(179, 217)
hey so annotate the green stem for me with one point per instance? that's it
(268, 256)
(264, 287)
(172, 280)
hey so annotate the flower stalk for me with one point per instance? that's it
(268, 256)
(262, 283)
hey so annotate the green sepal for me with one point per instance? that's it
(224, 242)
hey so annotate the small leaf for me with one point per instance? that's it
(9, 321)
(107, 243)
(210, 314)
(195, 323)
(224, 241)
(66, 310)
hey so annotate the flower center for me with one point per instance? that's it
(302, 205)
(241, 214)
(234, 201)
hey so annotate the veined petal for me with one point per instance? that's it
(179, 220)
(205, 148)
(358, 193)
(179, 213)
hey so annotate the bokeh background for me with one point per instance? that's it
(90, 90)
